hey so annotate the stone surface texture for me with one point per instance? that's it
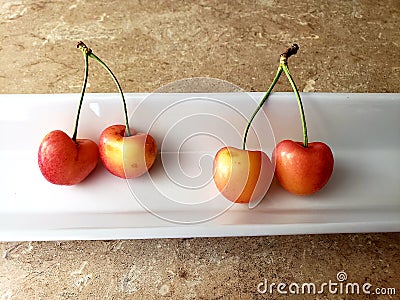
(345, 46)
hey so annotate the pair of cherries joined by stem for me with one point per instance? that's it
(302, 168)
(68, 161)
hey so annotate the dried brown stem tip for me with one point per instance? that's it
(290, 51)
(81, 45)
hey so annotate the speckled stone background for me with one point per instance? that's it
(345, 46)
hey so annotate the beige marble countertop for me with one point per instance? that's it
(345, 46)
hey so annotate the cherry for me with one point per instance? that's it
(123, 152)
(301, 168)
(64, 160)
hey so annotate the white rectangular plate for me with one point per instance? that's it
(178, 197)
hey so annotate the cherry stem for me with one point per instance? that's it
(81, 45)
(278, 74)
(283, 62)
(82, 94)
(283, 66)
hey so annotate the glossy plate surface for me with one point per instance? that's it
(178, 197)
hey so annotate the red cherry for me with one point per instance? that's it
(302, 170)
(65, 162)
